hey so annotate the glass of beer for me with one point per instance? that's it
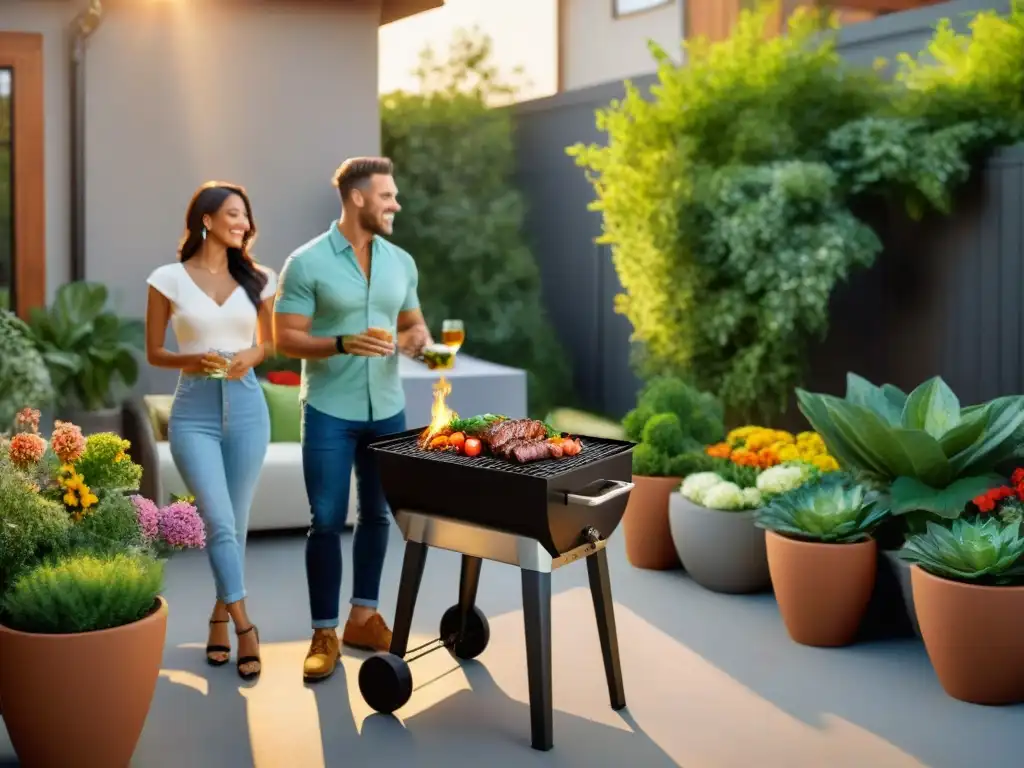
(221, 373)
(453, 334)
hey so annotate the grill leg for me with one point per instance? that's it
(537, 612)
(469, 580)
(408, 588)
(601, 592)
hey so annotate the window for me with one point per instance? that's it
(6, 184)
(629, 7)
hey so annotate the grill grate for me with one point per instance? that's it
(594, 449)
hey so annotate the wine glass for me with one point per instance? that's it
(453, 334)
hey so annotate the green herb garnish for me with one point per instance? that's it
(475, 424)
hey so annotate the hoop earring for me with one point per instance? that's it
(204, 233)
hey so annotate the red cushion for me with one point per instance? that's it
(285, 378)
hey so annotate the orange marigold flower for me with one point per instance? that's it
(26, 449)
(27, 420)
(767, 457)
(719, 450)
(744, 458)
(67, 442)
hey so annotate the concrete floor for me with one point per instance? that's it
(712, 681)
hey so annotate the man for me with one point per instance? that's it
(341, 298)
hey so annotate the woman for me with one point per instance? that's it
(217, 300)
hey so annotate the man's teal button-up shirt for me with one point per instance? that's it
(323, 281)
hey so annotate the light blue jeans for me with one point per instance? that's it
(219, 431)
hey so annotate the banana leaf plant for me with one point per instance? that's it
(91, 352)
(934, 455)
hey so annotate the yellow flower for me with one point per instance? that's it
(70, 499)
(67, 469)
(782, 436)
(825, 463)
(88, 499)
(740, 434)
(789, 453)
(759, 440)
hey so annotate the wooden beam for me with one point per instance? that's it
(880, 6)
(23, 54)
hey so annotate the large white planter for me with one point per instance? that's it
(722, 551)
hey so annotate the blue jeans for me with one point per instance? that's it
(330, 448)
(219, 431)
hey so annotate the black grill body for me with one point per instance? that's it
(538, 516)
(523, 499)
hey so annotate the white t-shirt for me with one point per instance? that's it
(199, 323)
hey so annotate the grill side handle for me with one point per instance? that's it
(599, 492)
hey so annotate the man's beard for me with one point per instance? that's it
(371, 223)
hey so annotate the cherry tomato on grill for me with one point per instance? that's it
(471, 447)
(457, 439)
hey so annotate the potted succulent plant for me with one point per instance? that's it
(91, 354)
(81, 582)
(931, 455)
(671, 421)
(968, 581)
(822, 558)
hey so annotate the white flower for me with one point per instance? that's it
(695, 486)
(782, 478)
(752, 498)
(724, 496)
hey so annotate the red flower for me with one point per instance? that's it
(1017, 478)
(284, 378)
(987, 501)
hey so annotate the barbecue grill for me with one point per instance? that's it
(538, 516)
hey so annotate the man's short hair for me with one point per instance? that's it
(356, 171)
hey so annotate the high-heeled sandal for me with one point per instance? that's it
(249, 659)
(218, 649)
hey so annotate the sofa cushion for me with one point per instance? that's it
(285, 412)
(159, 409)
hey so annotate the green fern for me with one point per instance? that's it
(83, 593)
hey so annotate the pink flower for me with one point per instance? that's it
(26, 449)
(27, 420)
(181, 527)
(148, 515)
(67, 441)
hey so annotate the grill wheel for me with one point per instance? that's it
(469, 643)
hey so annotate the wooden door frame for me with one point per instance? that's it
(23, 53)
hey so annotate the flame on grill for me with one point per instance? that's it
(440, 414)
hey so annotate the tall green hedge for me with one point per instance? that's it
(462, 216)
(729, 193)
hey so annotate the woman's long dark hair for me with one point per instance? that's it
(207, 200)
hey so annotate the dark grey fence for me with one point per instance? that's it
(944, 298)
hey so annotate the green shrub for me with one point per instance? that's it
(727, 195)
(463, 217)
(31, 527)
(24, 378)
(105, 465)
(83, 593)
(112, 527)
(664, 433)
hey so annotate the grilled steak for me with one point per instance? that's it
(527, 451)
(515, 429)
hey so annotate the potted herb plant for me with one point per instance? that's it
(670, 422)
(822, 558)
(968, 582)
(930, 454)
(91, 354)
(81, 584)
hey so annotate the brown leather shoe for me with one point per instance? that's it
(372, 635)
(323, 655)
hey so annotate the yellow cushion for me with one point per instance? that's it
(159, 408)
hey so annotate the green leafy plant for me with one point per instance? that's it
(937, 455)
(31, 527)
(84, 593)
(90, 351)
(463, 216)
(113, 526)
(728, 192)
(671, 419)
(24, 377)
(976, 550)
(106, 464)
(833, 510)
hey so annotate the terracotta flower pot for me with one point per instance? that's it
(645, 524)
(69, 698)
(974, 636)
(822, 589)
(722, 551)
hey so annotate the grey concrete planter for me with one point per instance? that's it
(901, 568)
(722, 551)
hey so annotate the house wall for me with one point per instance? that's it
(272, 95)
(596, 47)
